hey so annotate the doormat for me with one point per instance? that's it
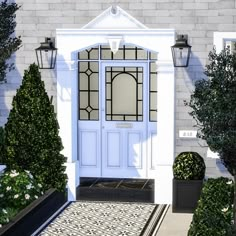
(84, 218)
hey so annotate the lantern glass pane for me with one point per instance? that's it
(46, 59)
(180, 56)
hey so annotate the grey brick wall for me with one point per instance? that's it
(197, 18)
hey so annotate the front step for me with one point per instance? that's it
(122, 190)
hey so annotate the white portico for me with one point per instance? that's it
(116, 111)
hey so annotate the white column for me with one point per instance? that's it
(165, 131)
(67, 118)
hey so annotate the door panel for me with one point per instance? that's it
(134, 146)
(113, 149)
(89, 155)
(89, 149)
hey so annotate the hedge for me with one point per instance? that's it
(214, 214)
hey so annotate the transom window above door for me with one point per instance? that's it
(89, 85)
(126, 52)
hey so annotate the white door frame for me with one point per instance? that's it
(69, 42)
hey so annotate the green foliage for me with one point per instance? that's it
(189, 166)
(6, 214)
(18, 189)
(214, 106)
(32, 139)
(8, 42)
(213, 215)
(1, 144)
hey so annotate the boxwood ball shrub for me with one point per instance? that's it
(189, 166)
(214, 214)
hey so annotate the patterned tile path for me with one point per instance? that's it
(83, 218)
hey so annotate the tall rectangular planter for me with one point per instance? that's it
(34, 215)
(186, 194)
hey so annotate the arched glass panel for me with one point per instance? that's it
(124, 93)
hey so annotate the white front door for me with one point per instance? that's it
(124, 119)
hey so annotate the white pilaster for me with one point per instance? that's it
(166, 131)
(67, 118)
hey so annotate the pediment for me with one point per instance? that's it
(114, 18)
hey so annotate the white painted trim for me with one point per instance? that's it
(165, 131)
(73, 179)
(89, 32)
(67, 65)
(115, 17)
(220, 37)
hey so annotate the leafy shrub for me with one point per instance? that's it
(32, 140)
(189, 166)
(213, 215)
(18, 189)
(6, 214)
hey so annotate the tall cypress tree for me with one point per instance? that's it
(32, 139)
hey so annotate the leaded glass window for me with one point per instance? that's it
(124, 93)
(124, 53)
(89, 54)
(152, 91)
(88, 91)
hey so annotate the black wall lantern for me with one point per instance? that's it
(181, 51)
(46, 54)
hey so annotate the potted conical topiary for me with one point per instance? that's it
(189, 172)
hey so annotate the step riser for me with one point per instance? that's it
(123, 195)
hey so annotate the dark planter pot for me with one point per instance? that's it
(186, 194)
(34, 215)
